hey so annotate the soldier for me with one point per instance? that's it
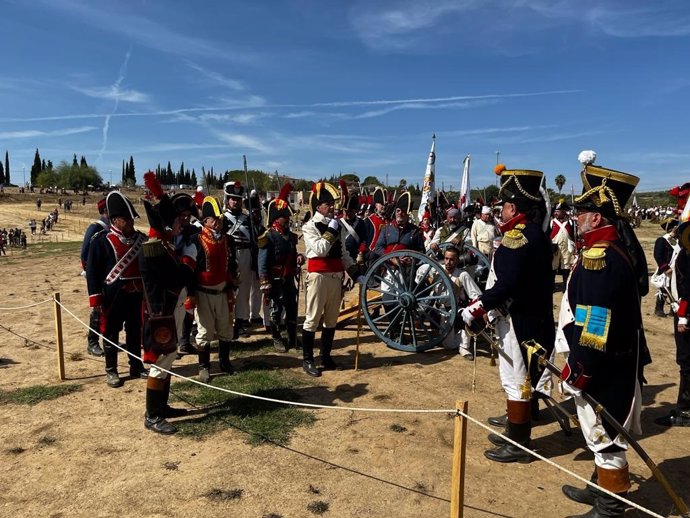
(400, 234)
(165, 272)
(93, 347)
(602, 323)
(355, 228)
(376, 220)
(563, 240)
(452, 231)
(213, 294)
(519, 295)
(327, 260)
(258, 313)
(278, 263)
(483, 232)
(114, 285)
(663, 252)
(239, 228)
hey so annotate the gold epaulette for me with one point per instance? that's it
(514, 238)
(262, 240)
(153, 248)
(594, 258)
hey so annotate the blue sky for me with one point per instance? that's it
(314, 87)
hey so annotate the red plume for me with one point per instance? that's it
(285, 191)
(153, 185)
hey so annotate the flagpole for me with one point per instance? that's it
(428, 187)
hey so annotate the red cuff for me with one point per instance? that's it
(682, 308)
(188, 261)
(95, 300)
(577, 378)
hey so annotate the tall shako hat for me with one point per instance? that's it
(322, 192)
(118, 205)
(520, 186)
(404, 202)
(232, 190)
(210, 208)
(603, 190)
(561, 205)
(280, 206)
(379, 196)
(162, 215)
(182, 202)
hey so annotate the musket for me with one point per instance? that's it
(536, 349)
(249, 203)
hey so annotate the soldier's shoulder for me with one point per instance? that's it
(515, 238)
(595, 258)
(262, 240)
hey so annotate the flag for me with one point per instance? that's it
(634, 202)
(428, 188)
(465, 186)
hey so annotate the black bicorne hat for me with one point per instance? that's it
(182, 202)
(210, 208)
(604, 190)
(322, 192)
(162, 215)
(379, 196)
(520, 186)
(118, 205)
(404, 202)
(352, 202)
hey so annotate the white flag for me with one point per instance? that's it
(634, 202)
(465, 186)
(428, 188)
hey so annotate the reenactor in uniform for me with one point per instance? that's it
(401, 233)
(327, 262)
(278, 263)
(258, 314)
(213, 292)
(93, 347)
(519, 295)
(452, 231)
(165, 273)
(114, 285)
(663, 252)
(563, 240)
(601, 320)
(241, 231)
(376, 219)
(355, 228)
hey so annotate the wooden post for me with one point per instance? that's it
(58, 337)
(359, 324)
(457, 485)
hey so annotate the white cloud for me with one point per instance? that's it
(114, 93)
(217, 78)
(41, 133)
(243, 141)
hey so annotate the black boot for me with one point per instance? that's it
(204, 364)
(224, 357)
(327, 363)
(659, 306)
(519, 430)
(155, 408)
(112, 377)
(278, 342)
(186, 346)
(588, 495)
(94, 348)
(308, 354)
(534, 407)
(501, 421)
(169, 411)
(291, 328)
(615, 480)
(680, 416)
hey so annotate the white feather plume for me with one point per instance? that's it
(587, 157)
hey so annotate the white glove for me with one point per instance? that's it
(473, 311)
(334, 224)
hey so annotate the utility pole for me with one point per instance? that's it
(498, 181)
(24, 176)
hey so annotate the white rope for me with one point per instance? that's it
(270, 400)
(557, 466)
(28, 305)
(382, 410)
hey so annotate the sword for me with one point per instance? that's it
(539, 351)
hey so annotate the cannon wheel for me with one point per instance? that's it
(408, 314)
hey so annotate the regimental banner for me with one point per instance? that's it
(428, 187)
(465, 186)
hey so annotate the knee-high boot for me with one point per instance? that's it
(308, 353)
(679, 416)
(615, 480)
(204, 364)
(110, 352)
(327, 363)
(659, 306)
(291, 328)
(587, 495)
(519, 430)
(224, 357)
(155, 407)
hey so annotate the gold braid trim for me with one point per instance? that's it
(515, 180)
(514, 238)
(602, 191)
(594, 259)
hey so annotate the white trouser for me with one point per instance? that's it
(244, 268)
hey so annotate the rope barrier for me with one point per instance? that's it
(456, 412)
(261, 398)
(28, 305)
(557, 466)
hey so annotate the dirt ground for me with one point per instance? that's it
(88, 454)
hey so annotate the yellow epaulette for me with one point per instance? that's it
(594, 258)
(514, 238)
(262, 240)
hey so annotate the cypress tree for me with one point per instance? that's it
(36, 167)
(7, 167)
(193, 182)
(124, 173)
(74, 160)
(131, 172)
(2, 174)
(82, 162)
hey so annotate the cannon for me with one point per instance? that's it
(407, 298)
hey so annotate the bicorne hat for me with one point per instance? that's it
(322, 192)
(520, 186)
(118, 205)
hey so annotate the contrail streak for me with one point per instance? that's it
(116, 88)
